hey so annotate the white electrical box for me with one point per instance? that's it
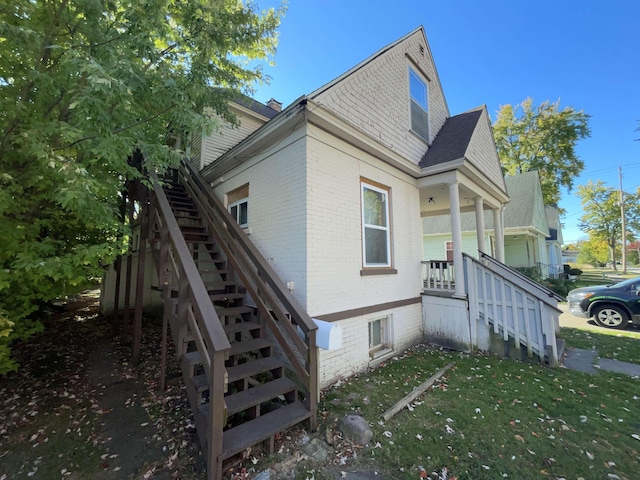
(329, 335)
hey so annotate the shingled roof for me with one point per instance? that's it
(452, 140)
(256, 106)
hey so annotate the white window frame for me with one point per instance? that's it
(386, 228)
(235, 199)
(423, 105)
(238, 205)
(385, 346)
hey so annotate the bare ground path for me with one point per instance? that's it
(78, 409)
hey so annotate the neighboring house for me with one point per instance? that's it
(528, 239)
(554, 243)
(570, 256)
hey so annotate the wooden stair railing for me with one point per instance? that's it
(240, 395)
(176, 267)
(518, 308)
(277, 306)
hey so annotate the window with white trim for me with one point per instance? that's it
(376, 241)
(379, 336)
(419, 93)
(238, 205)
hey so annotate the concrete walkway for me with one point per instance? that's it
(588, 361)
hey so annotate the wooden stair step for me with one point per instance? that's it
(241, 327)
(251, 369)
(179, 199)
(238, 402)
(190, 360)
(176, 193)
(246, 346)
(184, 209)
(198, 241)
(186, 216)
(237, 439)
(221, 297)
(196, 386)
(231, 311)
(213, 287)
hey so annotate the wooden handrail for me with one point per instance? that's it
(269, 275)
(277, 306)
(214, 335)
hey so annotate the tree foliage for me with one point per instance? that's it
(83, 84)
(602, 218)
(541, 138)
(594, 251)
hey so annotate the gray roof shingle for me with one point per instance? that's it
(452, 140)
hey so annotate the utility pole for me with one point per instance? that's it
(624, 225)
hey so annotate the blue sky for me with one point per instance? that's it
(585, 53)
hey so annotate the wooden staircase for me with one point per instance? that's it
(260, 380)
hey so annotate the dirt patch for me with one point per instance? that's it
(77, 408)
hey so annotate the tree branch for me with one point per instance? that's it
(118, 130)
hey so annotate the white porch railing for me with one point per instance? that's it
(438, 275)
(517, 307)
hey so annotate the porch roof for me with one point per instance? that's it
(452, 141)
(525, 211)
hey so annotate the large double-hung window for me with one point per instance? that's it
(376, 238)
(419, 93)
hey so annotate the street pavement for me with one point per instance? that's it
(588, 361)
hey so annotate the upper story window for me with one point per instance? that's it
(238, 205)
(419, 93)
(376, 232)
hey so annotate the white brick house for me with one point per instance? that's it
(333, 190)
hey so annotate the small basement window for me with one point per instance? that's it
(379, 336)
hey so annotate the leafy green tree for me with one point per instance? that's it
(541, 138)
(602, 217)
(594, 251)
(83, 84)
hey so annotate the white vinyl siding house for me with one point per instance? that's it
(335, 204)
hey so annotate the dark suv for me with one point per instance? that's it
(611, 306)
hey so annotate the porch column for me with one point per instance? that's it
(499, 232)
(480, 224)
(456, 234)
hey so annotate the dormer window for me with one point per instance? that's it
(419, 105)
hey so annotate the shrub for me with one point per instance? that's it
(532, 272)
(560, 286)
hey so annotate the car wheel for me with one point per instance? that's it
(611, 316)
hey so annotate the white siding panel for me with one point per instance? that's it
(226, 137)
(335, 229)
(375, 98)
(277, 208)
(482, 152)
(353, 357)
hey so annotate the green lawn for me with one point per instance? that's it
(621, 345)
(490, 418)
